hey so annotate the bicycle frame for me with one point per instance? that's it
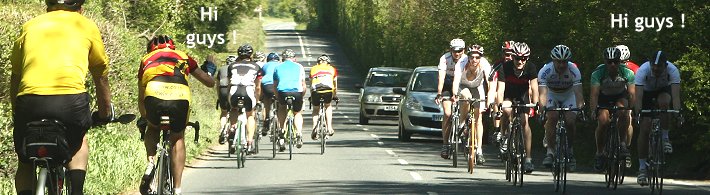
(164, 182)
(454, 140)
(615, 165)
(470, 135)
(51, 176)
(239, 140)
(516, 144)
(656, 155)
(562, 154)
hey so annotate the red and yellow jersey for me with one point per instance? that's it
(54, 53)
(173, 65)
(323, 78)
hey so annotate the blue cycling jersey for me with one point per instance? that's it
(289, 74)
(268, 70)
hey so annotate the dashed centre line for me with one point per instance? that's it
(415, 175)
(390, 152)
(374, 136)
(381, 143)
(402, 161)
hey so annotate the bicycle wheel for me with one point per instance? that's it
(322, 131)
(238, 145)
(557, 164)
(565, 160)
(291, 136)
(453, 140)
(470, 147)
(660, 162)
(520, 149)
(164, 179)
(274, 136)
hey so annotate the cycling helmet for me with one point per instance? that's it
(457, 44)
(272, 57)
(561, 52)
(259, 56)
(475, 49)
(521, 49)
(71, 5)
(245, 50)
(324, 57)
(625, 53)
(658, 57)
(508, 46)
(612, 53)
(160, 42)
(288, 53)
(231, 59)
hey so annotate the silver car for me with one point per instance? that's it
(377, 100)
(417, 111)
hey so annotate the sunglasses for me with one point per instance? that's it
(560, 61)
(458, 51)
(613, 61)
(521, 58)
(475, 57)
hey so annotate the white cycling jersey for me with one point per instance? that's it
(645, 77)
(560, 85)
(446, 62)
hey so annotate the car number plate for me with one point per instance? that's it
(437, 117)
(390, 108)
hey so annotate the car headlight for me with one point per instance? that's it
(413, 104)
(373, 98)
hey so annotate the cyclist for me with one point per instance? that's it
(625, 55)
(267, 85)
(163, 88)
(560, 86)
(43, 87)
(657, 86)
(260, 58)
(290, 80)
(324, 84)
(245, 82)
(515, 79)
(612, 85)
(450, 65)
(507, 56)
(223, 93)
(472, 85)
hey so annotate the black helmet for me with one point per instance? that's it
(272, 56)
(658, 57)
(70, 5)
(245, 50)
(324, 57)
(612, 53)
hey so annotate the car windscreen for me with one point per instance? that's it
(425, 81)
(388, 79)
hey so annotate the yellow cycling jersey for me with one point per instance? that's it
(173, 68)
(323, 78)
(54, 53)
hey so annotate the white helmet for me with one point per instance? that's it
(521, 49)
(231, 59)
(561, 52)
(625, 53)
(457, 44)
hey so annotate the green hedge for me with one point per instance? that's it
(117, 157)
(416, 32)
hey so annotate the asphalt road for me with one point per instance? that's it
(368, 159)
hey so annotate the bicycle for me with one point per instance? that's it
(454, 140)
(289, 136)
(163, 183)
(46, 146)
(237, 142)
(562, 157)
(273, 126)
(515, 153)
(615, 167)
(258, 118)
(322, 123)
(656, 155)
(469, 135)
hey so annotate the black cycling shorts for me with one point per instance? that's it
(267, 91)
(72, 110)
(297, 103)
(315, 98)
(610, 100)
(177, 110)
(223, 97)
(242, 93)
(448, 86)
(650, 96)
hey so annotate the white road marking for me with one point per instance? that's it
(300, 42)
(390, 152)
(415, 176)
(381, 143)
(365, 129)
(374, 136)
(687, 184)
(402, 161)
(432, 193)
(358, 125)
(346, 116)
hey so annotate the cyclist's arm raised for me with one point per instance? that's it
(203, 77)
